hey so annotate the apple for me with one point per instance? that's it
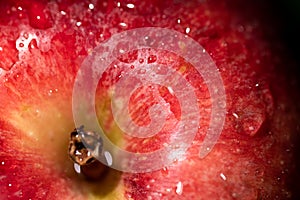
(44, 45)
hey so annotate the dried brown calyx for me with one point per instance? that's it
(84, 147)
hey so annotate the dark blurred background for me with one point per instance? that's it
(287, 12)
(288, 15)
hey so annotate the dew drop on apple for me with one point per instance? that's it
(252, 122)
(77, 168)
(50, 92)
(165, 171)
(152, 59)
(91, 6)
(21, 45)
(235, 115)
(179, 188)
(187, 30)
(168, 190)
(108, 158)
(22, 42)
(26, 36)
(130, 5)
(223, 177)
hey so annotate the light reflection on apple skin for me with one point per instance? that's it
(84, 37)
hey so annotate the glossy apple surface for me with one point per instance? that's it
(42, 46)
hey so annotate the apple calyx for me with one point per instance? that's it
(83, 146)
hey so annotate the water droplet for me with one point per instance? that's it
(50, 92)
(26, 36)
(21, 45)
(122, 51)
(37, 112)
(63, 12)
(223, 176)
(77, 168)
(141, 60)
(235, 115)
(123, 24)
(151, 59)
(171, 90)
(165, 171)
(9, 185)
(2, 163)
(168, 189)
(91, 6)
(187, 30)
(108, 158)
(179, 188)
(132, 66)
(39, 16)
(32, 44)
(78, 24)
(130, 5)
(178, 20)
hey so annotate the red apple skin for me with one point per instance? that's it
(254, 157)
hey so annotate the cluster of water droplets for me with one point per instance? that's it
(36, 29)
(32, 39)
